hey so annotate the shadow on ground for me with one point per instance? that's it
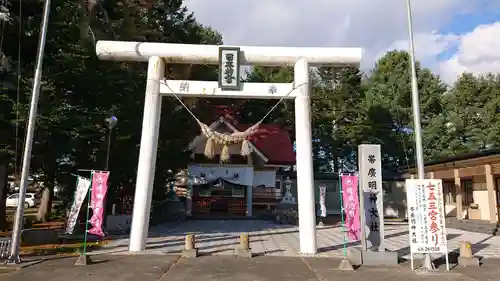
(291, 269)
(453, 253)
(109, 268)
(225, 268)
(169, 237)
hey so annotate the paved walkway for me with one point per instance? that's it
(267, 238)
(276, 247)
(224, 268)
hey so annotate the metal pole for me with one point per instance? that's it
(342, 213)
(108, 150)
(18, 222)
(106, 168)
(417, 131)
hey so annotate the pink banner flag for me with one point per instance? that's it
(99, 189)
(351, 206)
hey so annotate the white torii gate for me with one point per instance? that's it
(157, 54)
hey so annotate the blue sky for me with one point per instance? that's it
(452, 36)
(463, 23)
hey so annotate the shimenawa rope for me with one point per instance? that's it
(216, 138)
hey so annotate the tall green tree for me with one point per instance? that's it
(253, 111)
(79, 91)
(337, 97)
(388, 100)
(338, 116)
(471, 120)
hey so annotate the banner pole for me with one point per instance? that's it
(342, 215)
(87, 216)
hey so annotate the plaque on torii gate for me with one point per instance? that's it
(229, 68)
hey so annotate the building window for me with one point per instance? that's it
(467, 193)
(449, 192)
(278, 183)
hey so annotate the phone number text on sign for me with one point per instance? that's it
(428, 249)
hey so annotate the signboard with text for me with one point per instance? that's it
(371, 196)
(426, 216)
(229, 68)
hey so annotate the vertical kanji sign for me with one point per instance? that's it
(229, 68)
(371, 197)
(426, 216)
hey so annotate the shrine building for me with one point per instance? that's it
(228, 180)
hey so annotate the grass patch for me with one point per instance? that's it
(60, 249)
(46, 225)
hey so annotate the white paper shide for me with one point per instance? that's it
(426, 216)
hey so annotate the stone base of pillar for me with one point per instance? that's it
(243, 253)
(345, 265)
(190, 253)
(464, 262)
(83, 260)
(376, 258)
(288, 199)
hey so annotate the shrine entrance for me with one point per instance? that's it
(219, 198)
(229, 59)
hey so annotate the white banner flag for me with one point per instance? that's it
(82, 189)
(322, 200)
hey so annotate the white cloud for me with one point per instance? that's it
(374, 25)
(428, 46)
(478, 52)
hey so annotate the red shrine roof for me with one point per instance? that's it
(274, 142)
(271, 141)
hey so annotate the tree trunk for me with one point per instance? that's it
(43, 209)
(51, 199)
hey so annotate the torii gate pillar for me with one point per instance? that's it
(147, 156)
(300, 58)
(304, 160)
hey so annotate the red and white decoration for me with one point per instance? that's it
(82, 189)
(99, 190)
